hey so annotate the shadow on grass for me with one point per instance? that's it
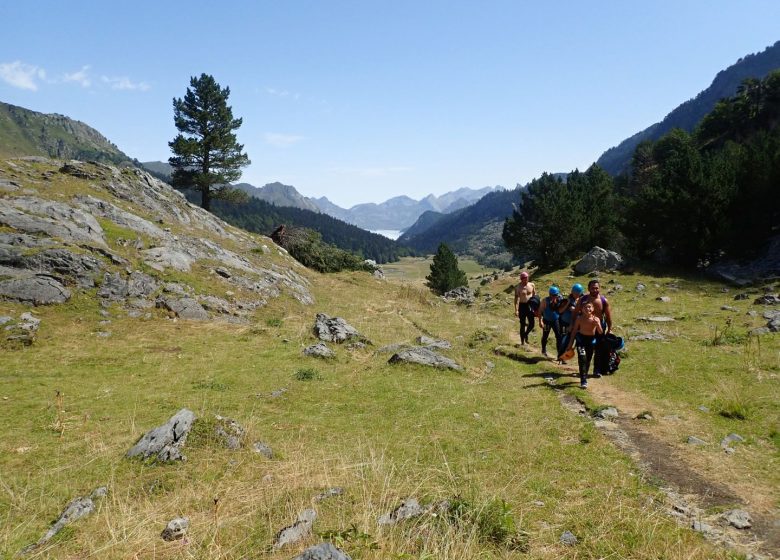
(518, 356)
(554, 380)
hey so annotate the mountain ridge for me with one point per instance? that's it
(688, 114)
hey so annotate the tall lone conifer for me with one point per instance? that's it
(207, 156)
(445, 274)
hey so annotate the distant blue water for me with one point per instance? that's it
(391, 233)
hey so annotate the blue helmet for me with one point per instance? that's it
(577, 288)
(554, 291)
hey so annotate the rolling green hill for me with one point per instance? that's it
(28, 133)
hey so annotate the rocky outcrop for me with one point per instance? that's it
(164, 443)
(335, 329)
(425, 357)
(462, 294)
(58, 244)
(599, 259)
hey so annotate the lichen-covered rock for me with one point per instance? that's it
(408, 509)
(164, 443)
(56, 219)
(462, 294)
(229, 432)
(433, 343)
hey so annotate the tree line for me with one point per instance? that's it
(688, 198)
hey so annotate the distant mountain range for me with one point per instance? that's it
(397, 213)
(686, 116)
(28, 133)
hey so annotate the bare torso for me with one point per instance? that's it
(523, 292)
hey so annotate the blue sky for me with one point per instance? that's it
(361, 101)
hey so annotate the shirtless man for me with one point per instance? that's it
(588, 333)
(603, 312)
(523, 292)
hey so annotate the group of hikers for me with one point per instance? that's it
(580, 320)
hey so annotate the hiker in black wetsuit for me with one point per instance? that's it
(548, 318)
(566, 318)
(603, 312)
(524, 291)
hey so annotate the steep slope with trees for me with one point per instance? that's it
(618, 159)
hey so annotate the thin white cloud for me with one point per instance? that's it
(21, 75)
(281, 140)
(81, 77)
(370, 171)
(124, 83)
(282, 93)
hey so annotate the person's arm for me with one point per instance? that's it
(542, 305)
(608, 315)
(517, 297)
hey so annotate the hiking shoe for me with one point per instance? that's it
(544, 353)
(583, 384)
(597, 375)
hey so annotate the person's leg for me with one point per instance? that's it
(556, 328)
(601, 357)
(564, 338)
(545, 335)
(588, 357)
(531, 321)
(523, 327)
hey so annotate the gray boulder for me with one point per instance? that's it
(738, 518)
(408, 509)
(693, 440)
(599, 259)
(319, 350)
(184, 308)
(113, 287)
(656, 319)
(297, 531)
(176, 529)
(423, 356)
(568, 538)
(767, 299)
(141, 285)
(164, 443)
(37, 290)
(461, 294)
(334, 329)
(323, 551)
(76, 509)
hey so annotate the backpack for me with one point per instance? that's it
(534, 302)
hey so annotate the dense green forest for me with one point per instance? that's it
(688, 199)
(262, 217)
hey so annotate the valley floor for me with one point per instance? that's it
(510, 442)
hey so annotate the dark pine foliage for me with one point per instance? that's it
(206, 153)
(445, 274)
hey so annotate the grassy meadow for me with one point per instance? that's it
(494, 438)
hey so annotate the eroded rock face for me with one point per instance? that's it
(184, 308)
(37, 290)
(164, 443)
(36, 215)
(599, 259)
(76, 268)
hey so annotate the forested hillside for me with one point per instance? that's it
(618, 159)
(689, 199)
(466, 231)
(262, 217)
